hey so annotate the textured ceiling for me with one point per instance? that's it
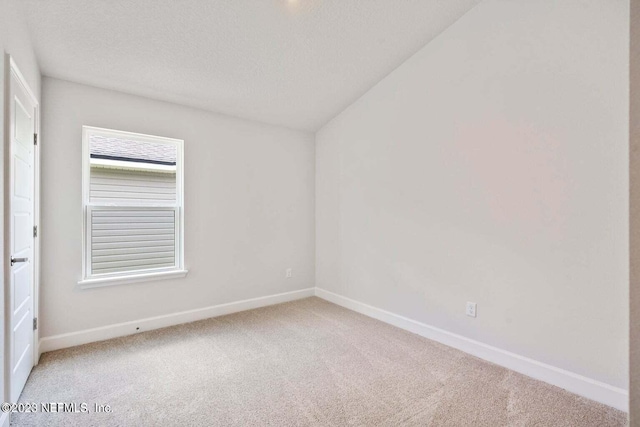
(295, 63)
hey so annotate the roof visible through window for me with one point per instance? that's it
(110, 148)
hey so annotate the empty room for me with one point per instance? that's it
(320, 213)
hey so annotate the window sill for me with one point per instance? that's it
(134, 278)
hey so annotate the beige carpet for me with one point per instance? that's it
(305, 363)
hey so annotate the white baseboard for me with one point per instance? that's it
(86, 336)
(575, 383)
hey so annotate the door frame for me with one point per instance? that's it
(14, 72)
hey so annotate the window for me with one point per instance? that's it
(133, 207)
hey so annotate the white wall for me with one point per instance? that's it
(249, 207)
(14, 40)
(634, 215)
(492, 167)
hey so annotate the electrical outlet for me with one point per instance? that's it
(471, 309)
(288, 273)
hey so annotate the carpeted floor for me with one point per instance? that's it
(304, 363)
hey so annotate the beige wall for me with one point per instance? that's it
(493, 167)
(249, 208)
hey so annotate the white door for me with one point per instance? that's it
(20, 191)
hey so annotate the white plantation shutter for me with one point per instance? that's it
(133, 204)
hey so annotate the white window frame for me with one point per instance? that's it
(107, 279)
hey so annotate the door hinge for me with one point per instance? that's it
(35, 139)
(35, 323)
(35, 231)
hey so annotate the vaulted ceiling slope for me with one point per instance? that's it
(295, 63)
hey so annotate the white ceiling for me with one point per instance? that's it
(295, 63)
